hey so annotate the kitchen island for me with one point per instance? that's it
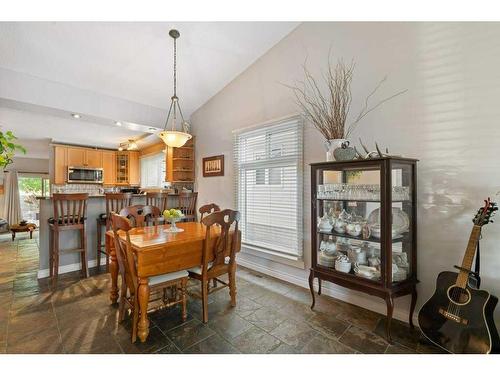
(96, 205)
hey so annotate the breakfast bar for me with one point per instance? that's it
(96, 206)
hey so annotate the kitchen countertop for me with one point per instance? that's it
(98, 196)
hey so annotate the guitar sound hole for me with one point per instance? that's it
(459, 296)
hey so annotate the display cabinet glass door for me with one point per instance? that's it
(347, 206)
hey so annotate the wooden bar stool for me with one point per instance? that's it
(69, 214)
(159, 200)
(187, 204)
(115, 202)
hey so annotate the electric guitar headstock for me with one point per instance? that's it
(485, 213)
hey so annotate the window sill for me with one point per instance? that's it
(289, 260)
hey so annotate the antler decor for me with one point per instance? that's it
(371, 154)
(329, 111)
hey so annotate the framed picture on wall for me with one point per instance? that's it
(213, 166)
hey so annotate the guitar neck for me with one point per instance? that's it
(463, 277)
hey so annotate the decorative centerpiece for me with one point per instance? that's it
(172, 216)
(329, 111)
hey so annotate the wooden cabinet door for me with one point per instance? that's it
(76, 157)
(93, 158)
(60, 165)
(109, 166)
(134, 169)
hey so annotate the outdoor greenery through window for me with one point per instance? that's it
(268, 163)
(31, 186)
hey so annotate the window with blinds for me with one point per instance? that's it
(268, 171)
(153, 170)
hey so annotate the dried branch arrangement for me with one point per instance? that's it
(329, 112)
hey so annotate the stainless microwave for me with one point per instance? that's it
(85, 175)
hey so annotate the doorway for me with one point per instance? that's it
(32, 186)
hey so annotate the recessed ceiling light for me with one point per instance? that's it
(75, 115)
(118, 123)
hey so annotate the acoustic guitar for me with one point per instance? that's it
(458, 317)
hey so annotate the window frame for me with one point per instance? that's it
(293, 123)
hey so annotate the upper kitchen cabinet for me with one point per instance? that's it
(134, 168)
(109, 166)
(60, 164)
(93, 158)
(83, 157)
(128, 168)
(75, 156)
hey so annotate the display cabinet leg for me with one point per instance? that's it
(311, 288)
(412, 306)
(390, 308)
(319, 287)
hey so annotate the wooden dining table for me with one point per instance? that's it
(159, 252)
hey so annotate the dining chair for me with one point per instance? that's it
(130, 282)
(219, 255)
(187, 205)
(114, 202)
(70, 212)
(207, 209)
(141, 215)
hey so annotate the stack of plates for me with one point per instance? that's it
(326, 260)
(366, 271)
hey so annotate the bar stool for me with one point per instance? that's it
(159, 200)
(187, 205)
(115, 202)
(69, 214)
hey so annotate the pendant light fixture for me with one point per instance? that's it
(173, 137)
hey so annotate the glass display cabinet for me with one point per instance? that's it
(364, 232)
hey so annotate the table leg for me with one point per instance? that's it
(143, 294)
(13, 236)
(113, 269)
(31, 234)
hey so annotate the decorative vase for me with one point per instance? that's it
(330, 146)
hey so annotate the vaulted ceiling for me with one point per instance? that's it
(117, 72)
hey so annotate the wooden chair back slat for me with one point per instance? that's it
(227, 221)
(124, 254)
(207, 210)
(115, 202)
(65, 212)
(187, 204)
(157, 199)
(139, 214)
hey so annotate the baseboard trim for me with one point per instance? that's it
(70, 268)
(326, 289)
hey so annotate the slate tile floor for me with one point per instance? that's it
(271, 317)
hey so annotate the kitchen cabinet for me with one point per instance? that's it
(60, 164)
(128, 168)
(93, 158)
(109, 167)
(134, 171)
(75, 157)
(82, 157)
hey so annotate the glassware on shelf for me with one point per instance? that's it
(366, 192)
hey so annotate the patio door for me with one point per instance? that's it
(31, 186)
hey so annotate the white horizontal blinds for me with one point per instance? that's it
(268, 163)
(153, 170)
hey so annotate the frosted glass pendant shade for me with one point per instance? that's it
(174, 138)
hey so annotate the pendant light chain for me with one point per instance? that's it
(174, 138)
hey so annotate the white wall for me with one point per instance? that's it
(448, 120)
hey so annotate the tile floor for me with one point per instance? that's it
(271, 317)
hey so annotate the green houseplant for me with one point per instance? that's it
(8, 148)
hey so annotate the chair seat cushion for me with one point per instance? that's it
(155, 280)
(197, 270)
(51, 220)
